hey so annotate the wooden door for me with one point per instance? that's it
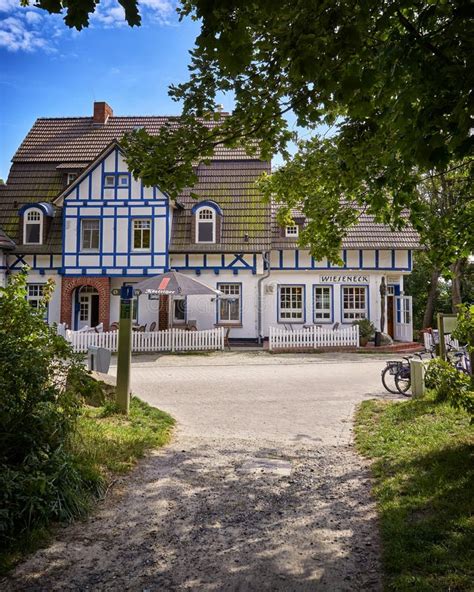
(390, 313)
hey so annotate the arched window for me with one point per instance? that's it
(33, 227)
(206, 225)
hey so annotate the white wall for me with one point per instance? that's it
(202, 309)
(310, 278)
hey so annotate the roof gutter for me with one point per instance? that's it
(266, 260)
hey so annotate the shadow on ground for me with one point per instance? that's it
(193, 517)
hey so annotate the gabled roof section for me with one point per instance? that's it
(114, 145)
(77, 140)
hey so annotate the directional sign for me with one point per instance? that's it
(126, 292)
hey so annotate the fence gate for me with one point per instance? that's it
(403, 318)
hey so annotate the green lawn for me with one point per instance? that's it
(424, 486)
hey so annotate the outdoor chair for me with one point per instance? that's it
(99, 328)
(153, 326)
(192, 325)
(113, 326)
(335, 327)
(142, 328)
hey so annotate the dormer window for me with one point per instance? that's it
(292, 231)
(70, 177)
(33, 227)
(206, 225)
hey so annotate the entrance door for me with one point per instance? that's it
(390, 315)
(87, 307)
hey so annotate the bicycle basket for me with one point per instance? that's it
(394, 366)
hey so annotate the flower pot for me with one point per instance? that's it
(363, 341)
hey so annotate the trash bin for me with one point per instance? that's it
(98, 359)
(378, 339)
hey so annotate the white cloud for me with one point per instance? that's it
(8, 5)
(30, 29)
(109, 13)
(15, 36)
(33, 17)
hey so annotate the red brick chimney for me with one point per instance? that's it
(102, 112)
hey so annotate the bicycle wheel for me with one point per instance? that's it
(403, 380)
(388, 381)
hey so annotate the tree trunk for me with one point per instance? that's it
(456, 297)
(431, 302)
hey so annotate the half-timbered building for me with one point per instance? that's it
(72, 211)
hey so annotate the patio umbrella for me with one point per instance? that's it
(174, 284)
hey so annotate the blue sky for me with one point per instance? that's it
(47, 70)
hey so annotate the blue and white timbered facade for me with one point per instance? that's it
(101, 228)
(112, 224)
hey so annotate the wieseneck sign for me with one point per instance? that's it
(344, 279)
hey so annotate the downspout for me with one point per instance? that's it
(266, 260)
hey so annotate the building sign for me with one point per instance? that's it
(344, 279)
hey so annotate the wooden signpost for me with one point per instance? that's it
(124, 349)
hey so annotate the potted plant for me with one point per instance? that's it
(366, 331)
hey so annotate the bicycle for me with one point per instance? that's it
(400, 373)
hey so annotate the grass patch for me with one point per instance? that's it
(107, 442)
(424, 482)
(104, 444)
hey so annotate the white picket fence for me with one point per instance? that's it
(313, 338)
(171, 340)
(429, 342)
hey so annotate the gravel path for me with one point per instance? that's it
(230, 509)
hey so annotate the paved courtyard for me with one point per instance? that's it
(261, 488)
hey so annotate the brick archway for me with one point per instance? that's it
(101, 284)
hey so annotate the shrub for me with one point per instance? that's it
(450, 385)
(366, 328)
(40, 480)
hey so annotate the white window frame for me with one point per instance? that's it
(323, 315)
(39, 222)
(123, 176)
(34, 299)
(292, 231)
(90, 249)
(109, 176)
(296, 315)
(212, 218)
(354, 313)
(140, 231)
(231, 292)
(70, 177)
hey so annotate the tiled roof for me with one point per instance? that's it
(31, 182)
(53, 146)
(232, 186)
(5, 241)
(367, 234)
(78, 140)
